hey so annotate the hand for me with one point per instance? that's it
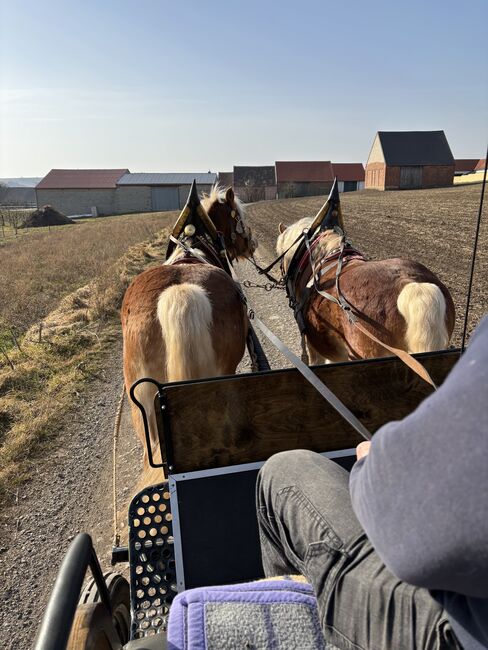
(362, 449)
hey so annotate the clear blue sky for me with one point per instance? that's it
(193, 85)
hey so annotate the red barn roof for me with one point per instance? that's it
(481, 165)
(303, 172)
(61, 179)
(348, 171)
(465, 164)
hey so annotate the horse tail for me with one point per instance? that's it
(185, 314)
(423, 306)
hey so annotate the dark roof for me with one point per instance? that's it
(226, 179)
(465, 164)
(184, 178)
(303, 171)
(58, 179)
(481, 165)
(254, 176)
(415, 148)
(348, 171)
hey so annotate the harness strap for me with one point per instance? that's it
(407, 358)
(268, 268)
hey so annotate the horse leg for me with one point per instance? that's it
(315, 357)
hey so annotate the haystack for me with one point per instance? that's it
(46, 216)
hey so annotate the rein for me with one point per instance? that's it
(342, 302)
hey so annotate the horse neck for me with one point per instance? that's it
(327, 244)
(179, 253)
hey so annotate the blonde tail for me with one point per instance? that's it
(185, 315)
(423, 307)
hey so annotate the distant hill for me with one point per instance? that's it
(21, 182)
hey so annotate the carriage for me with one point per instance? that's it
(197, 526)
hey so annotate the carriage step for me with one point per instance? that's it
(152, 561)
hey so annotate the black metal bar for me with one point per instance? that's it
(147, 433)
(119, 554)
(57, 622)
(473, 258)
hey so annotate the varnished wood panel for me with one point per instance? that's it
(247, 418)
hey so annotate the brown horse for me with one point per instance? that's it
(186, 319)
(399, 301)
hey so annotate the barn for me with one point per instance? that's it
(226, 179)
(465, 166)
(256, 183)
(157, 192)
(80, 191)
(409, 160)
(302, 178)
(116, 191)
(350, 176)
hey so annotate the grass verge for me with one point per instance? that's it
(55, 361)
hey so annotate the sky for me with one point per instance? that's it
(193, 85)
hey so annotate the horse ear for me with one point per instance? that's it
(281, 227)
(229, 196)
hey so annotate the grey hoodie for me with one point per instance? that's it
(421, 494)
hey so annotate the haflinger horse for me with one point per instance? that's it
(399, 301)
(186, 319)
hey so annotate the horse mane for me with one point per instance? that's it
(328, 243)
(217, 195)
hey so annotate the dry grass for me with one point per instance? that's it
(39, 378)
(38, 269)
(468, 178)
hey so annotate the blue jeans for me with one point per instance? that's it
(307, 525)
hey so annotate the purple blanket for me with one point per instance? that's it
(268, 614)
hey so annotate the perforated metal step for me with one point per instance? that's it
(152, 563)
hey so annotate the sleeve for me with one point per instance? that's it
(421, 494)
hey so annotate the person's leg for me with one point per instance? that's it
(307, 525)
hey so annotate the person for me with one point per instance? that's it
(397, 552)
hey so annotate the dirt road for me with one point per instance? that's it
(72, 489)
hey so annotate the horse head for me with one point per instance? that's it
(226, 212)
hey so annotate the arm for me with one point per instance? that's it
(421, 494)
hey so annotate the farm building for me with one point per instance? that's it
(80, 191)
(409, 160)
(226, 179)
(116, 191)
(350, 176)
(255, 183)
(158, 192)
(465, 165)
(301, 178)
(480, 167)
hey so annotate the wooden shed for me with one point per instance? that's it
(303, 178)
(409, 160)
(255, 183)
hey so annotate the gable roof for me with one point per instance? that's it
(304, 171)
(167, 178)
(72, 179)
(480, 167)
(415, 148)
(348, 171)
(259, 176)
(465, 164)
